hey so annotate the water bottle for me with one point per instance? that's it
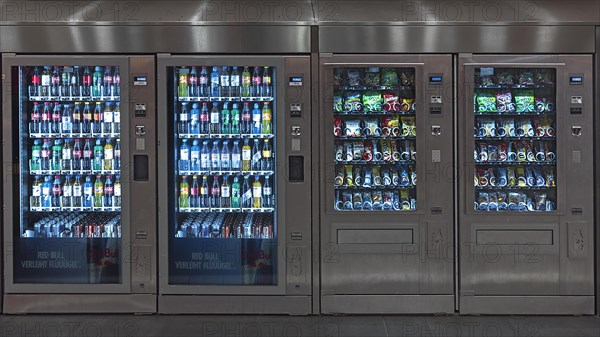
(236, 156)
(195, 156)
(195, 119)
(205, 156)
(225, 157)
(193, 83)
(203, 83)
(214, 82)
(234, 83)
(184, 156)
(256, 119)
(225, 119)
(88, 192)
(204, 119)
(183, 120)
(225, 82)
(246, 119)
(46, 189)
(215, 157)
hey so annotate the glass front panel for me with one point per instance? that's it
(69, 147)
(224, 149)
(375, 145)
(515, 139)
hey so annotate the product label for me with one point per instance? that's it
(235, 161)
(183, 79)
(183, 190)
(256, 191)
(267, 153)
(108, 190)
(46, 190)
(195, 156)
(88, 190)
(193, 80)
(225, 192)
(108, 79)
(45, 153)
(117, 115)
(99, 190)
(35, 79)
(36, 153)
(194, 191)
(205, 160)
(77, 191)
(267, 80)
(246, 117)
(56, 189)
(204, 117)
(235, 81)
(267, 191)
(118, 190)
(256, 158)
(215, 191)
(108, 117)
(108, 154)
(256, 80)
(215, 158)
(203, 80)
(45, 80)
(37, 191)
(183, 117)
(224, 81)
(225, 160)
(66, 154)
(247, 195)
(87, 153)
(67, 191)
(185, 154)
(214, 117)
(246, 154)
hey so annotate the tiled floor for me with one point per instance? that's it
(296, 326)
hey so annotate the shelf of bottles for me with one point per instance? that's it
(374, 131)
(225, 155)
(72, 151)
(515, 140)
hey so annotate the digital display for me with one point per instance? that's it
(295, 81)
(435, 79)
(140, 80)
(576, 80)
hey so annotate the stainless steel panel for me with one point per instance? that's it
(597, 167)
(57, 304)
(274, 305)
(387, 304)
(512, 237)
(375, 236)
(456, 39)
(527, 305)
(155, 39)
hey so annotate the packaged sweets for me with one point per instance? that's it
(408, 126)
(486, 81)
(338, 77)
(349, 151)
(502, 177)
(482, 200)
(396, 202)
(358, 180)
(338, 125)
(388, 199)
(347, 200)
(338, 103)
(339, 152)
(377, 200)
(549, 174)
(353, 128)
(544, 105)
(405, 200)
(493, 202)
(391, 126)
(391, 102)
(502, 152)
(505, 78)
(512, 177)
(389, 77)
(339, 176)
(525, 101)
(395, 178)
(349, 181)
(353, 101)
(504, 103)
(367, 201)
(539, 178)
(502, 204)
(376, 175)
(377, 155)
(386, 149)
(354, 77)
(372, 128)
(372, 76)
(358, 150)
(357, 201)
(387, 178)
(408, 104)
(525, 78)
(368, 151)
(413, 176)
(404, 176)
(520, 174)
(372, 101)
(486, 103)
(513, 201)
(543, 77)
(368, 181)
(540, 201)
(529, 176)
(407, 79)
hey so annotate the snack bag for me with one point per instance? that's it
(391, 102)
(504, 103)
(372, 76)
(389, 77)
(353, 101)
(544, 105)
(525, 101)
(354, 77)
(408, 127)
(486, 103)
(372, 101)
(338, 104)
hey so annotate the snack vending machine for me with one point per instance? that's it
(526, 224)
(386, 195)
(77, 236)
(234, 217)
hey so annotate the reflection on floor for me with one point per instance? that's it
(296, 326)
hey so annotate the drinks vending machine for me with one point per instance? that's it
(526, 145)
(76, 238)
(234, 217)
(386, 195)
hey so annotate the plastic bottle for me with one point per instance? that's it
(67, 156)
(98, 154)
(225, 119)
(247, 194)
(107, 82)
(56, 191)
(194, 197)
(77, 155)
(97, 82)
(225, 193)
(256, 83)
(215, 127)
(256, 193)
(55, 83)
(46, 118)
(109, 192)
(195, 157)
(98, 192)
(76, 124)
(108, 155)
(236, 156)
(86, 89)
(117, 160)
(36, 192)
(195, 119)
(36, 116)
(214, 82)
(267, 194)
(45, 155)
(86, 127)
(266, 81)
(75, 86)
(118, 191)
(183, 127)
(225, 82)
(246, 83)
(256, 155)
(182, 89)
(56, 119)
(267, 119)
(56, 155)
(246, 156)
(225, 157)
(86, 163)
(205, 156)
(98, 118)
(204, 193)
(88, 192)
(46, 192)
(216, 193)
(215, 157)
(203, 83)
(34, 87)
(184, 156)
(235, 119)
(77, 192)
(65, 81)
(45, 82)
(66, 120)
(235, 193)
(108, 118)
(117, 118)
(36, 156)
(116, 89)
(246, 119)
(67, 192)
(267, 153)
(256, 119)
(193, 83)
(234, 83)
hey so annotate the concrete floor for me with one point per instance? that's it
(296, 326)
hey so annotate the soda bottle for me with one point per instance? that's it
(195, 119)
(67, 192)
(247, 196)
(214, 82)
(195, 157)
(45, 80)
(182, 90)
(75, 86)
(117, 118)
(46, 118)
(256, 119)
(225, 82)
(194, 198)
(77, 192)
(225, 157)
(256, 193)
(205, 156)
(45, 155)
(56, 191)
(235, 193)
(36, 156)
(65, 82)
(67, 124)
(236, 156)
(256, 83)
(98, 191)
(97, 82)
(108, 155)
(235, 119)
(117, 160)
(203, 83)
(36, 192)
(267, 194)
(225, 193)
(56, 119)
(184, 156)
(256, 155)
(246, 82)
(56, 155)
(76, 123)
(86, 89)
(216, 193)
(246, 156)
(266, 163)
(77, 155)
(266, 79)
(67, 155)
(215, 157)
(98, 118)
(184, 127)
(108, 191)
(214, 119)
(107, 82)
(86, 164)
(46, 192)
(36, 115)
(118, 191)
(234, 83)
(193, 83)
(246, 119)
(55, 83)
(225, 119)
(98, 154)
(116, 89)
(204, 120)
(108, 118)
(88, 192)
(87, 118)
(266, 119)
(34, 88)
(204, 193)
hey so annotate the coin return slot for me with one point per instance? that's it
(576, 111)
(576, 131)
(435, 110)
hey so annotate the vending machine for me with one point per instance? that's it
(527, 213)
(78, 232)
(386, 195)
(234, 216)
